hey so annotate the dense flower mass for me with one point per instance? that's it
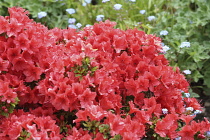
(97, 83)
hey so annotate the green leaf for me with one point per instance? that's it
(103, 128)
(193, 94)
(196, 75)
(116, 137)
(93, 69)
(207, 81)
(207, 91)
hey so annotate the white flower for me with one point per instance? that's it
(71, 20)
(189, 109)
(84, 4)
(142, 12)
(139, 23)
(165, 111)
(208, 134)
(187, 71)
(165, 48)
(181, 90)
(88, 25)
(79, 25)
(42, 14)
(164, 32)
(178, 138)
(99, 17)
(150, 18)
(184, 44)
(72, 26)
(71, 11)
(117, 6)
(187, 95)
(88, 1)
(197, 112)
(104, 1)
(132, 0)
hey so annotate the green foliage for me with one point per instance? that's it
(66, 118)
(185, 21)
(116, 137)
(189, 21)
(105, 130)
(56, 16)
(7, 108)
(84, 69)
(86, 13)
(91, 125)
(24, 135)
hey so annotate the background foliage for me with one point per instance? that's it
(185, 21)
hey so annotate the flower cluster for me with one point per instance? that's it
(24, 125)
(98, 83)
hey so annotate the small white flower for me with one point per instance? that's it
(84, 4)
(189, 109)
(178, 138)
(71, 11)
(104, 1)
(132, 0)
(72, 26)
(71, 20)
(42, 14)
(88, 1)
(88, 25)
(165, 48)
(79, 25)
(150, 18)
(187, 95)
(208, 134)
(184, 44)
(117, 6)
(142, 12)
(139, 23)
(165, 111)
(197, 112)
(99, 17)
(187, 71)
(181, 90)
(164, 32)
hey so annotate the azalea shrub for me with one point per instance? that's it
(97, 83)
(176, 22)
